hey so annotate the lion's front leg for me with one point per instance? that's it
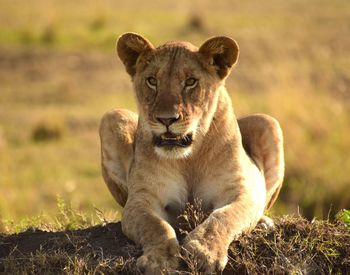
(142, 223)
(207, 244)
(144, 217)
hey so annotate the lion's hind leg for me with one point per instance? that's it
(263, 141)
(117, 134)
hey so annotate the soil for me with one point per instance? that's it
(108, 238)
(98, 242)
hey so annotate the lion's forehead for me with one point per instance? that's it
(175, 52)
(184, 45)
(174, 62)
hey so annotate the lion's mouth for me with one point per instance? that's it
(171, 139)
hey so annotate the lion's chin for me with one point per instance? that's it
(172, 146)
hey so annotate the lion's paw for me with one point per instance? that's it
(266, 223)
(205, 259)
(162, 259)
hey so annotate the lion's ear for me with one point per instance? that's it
(129, 47)
(221, 52)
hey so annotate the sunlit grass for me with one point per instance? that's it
(63, 217)
(59, 70)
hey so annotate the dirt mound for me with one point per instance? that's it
(294, 246)
(103, 248)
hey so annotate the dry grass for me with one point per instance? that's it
(295, 246)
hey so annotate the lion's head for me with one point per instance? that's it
(176, 87)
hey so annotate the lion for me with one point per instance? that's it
(187, 144)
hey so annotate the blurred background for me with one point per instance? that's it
(59, 73)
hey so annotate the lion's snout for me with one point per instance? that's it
(172, 136)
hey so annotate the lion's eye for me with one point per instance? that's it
(151, 82)
(191, 83)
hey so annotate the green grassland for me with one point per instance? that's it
(59, 74)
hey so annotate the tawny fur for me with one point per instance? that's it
(234, 167)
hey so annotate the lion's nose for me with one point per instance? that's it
(167, 121)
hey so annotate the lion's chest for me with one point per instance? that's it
(182, 194)
(174, 198)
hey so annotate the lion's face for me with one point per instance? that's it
(176, 86)
(173, 92)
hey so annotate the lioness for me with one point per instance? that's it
(187, 144)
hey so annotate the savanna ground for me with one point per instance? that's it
(293, 246)
(59, 74)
